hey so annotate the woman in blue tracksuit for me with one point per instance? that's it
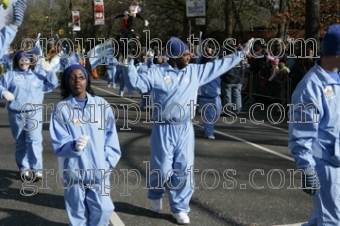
(173, 87)
(314, 131)
(24, 88)
(84, 137)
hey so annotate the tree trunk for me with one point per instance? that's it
(186, 27)
(312, 22)
(282, 27)
(238, 21)
(229, 18)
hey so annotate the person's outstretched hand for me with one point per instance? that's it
(18, 12)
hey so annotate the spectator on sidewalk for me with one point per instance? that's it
(232, 82)
(302, 66)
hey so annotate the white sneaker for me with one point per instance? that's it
(181, 217)
(25, 174)
(114, 86)
(156, 204)
(125, 61)
(211, 137)
(109, 85)
(38, 175)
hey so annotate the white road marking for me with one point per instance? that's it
(105, 91)
(297, 224)
(115, 220)
(252, 144)
(273, 127)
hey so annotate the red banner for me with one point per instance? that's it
(99, 18)
(76, 20)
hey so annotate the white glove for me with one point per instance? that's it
(8, 96)
(146, 23)
(246, 49)
(45, 65)
(81, 142)
(150, 53)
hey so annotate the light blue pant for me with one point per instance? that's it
(327, 202)
(172, 154)
(211, 109)
(111, 75)
(28, 142)
(144, 99)
(232, 95)
(87, 206)
(123, 83)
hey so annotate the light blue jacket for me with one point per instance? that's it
(8, 61)
(68, 59)
(102, 151)
(111, 62)
(211, 89)
(7, 35)
(318, 132)
(27, 88)
(172, 93)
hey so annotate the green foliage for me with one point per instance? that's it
(166, 18)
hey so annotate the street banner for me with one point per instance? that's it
(99, 18)
(195, 8)
(76, 20)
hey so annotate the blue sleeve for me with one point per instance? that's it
(4, 83)
(61, 138)
(303, 130)
(51, 81)
(7, 35)
(140, 81)
(49, 77)
(112, 148)
(209, 71)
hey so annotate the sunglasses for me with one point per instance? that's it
(75, 78)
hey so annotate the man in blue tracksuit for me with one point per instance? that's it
(7, 33)
(314, 130)
(173, 87)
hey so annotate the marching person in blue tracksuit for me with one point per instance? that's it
(314, 131)
(173, 86)
(111, 69)
(84, 137)
(24, 88)
(145, 63)
(209, 100)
